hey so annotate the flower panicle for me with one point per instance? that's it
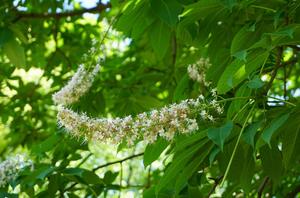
(165, 122)
(78, 85)
(10, 168)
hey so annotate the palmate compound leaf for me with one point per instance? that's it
(219, 135)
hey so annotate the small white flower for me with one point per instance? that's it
(219, 110)
(203, 114)
(197, 71)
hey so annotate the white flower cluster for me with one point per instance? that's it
(79, 84)
(198, 70)
(165, 122)
(10, 168)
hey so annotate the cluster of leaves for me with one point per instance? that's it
(253, 47)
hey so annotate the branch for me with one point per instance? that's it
(262, 187)
(97, 9)
(118, 161)
(274, 72)
(216, 183)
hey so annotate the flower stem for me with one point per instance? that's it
(236, 145)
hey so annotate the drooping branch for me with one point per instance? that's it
(46, 15)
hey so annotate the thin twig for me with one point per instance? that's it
(216, 183)
(84, 159)
(284, 101)
(236, 145)
(118, 161)
(262, 187)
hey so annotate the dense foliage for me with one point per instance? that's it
(252, 50)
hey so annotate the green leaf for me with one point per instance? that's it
(289, 35)
(219, 135)
(190, 169)
(236, 105)
(245, 37)
(238, 70)
(15, 52)
(272, 163)
(242, 167)
(255, 83)
(153, 151)
(273, 127)
(241, 55)
(291, 139)
(213, 155)
(149, 193)
(87, 176)
(109, 177)
(8, 195)
(91, 177)
(250, 132)
(181, 89)
(46, 145)
(178, 163)
(185, 141)
(146, 102)
(286, 31)
(167, 10)
(200, 9)
(18, 32)
(160, 36)
(225, 83)
(5, 36)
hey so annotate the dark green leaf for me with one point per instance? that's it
(191, 168)
(272, 163)
(167, 10)
(250, 132)
(177, 165)
(219, 135)
(255, 83)
(109, 177)
(153, 151)
(15, 52)
(273, 127)
(160, 36)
